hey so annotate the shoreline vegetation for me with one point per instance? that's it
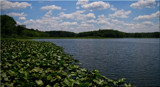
(33, 63)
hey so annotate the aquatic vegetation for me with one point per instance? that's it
(33, 63)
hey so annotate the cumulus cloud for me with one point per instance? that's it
(143, 4)
(146, 26)
(77, 7)
(78, 15)
(14, 14)
(84, 24)
(146, 17)
(103, 20)
(68, 23)
(51, 7)
(96, 5)
(44, 23)
(73, 15)
(147, 23)
(113, 8)
(20, 15)
(22, 18)
(91, 21)
(82, 2)
(120, 14)
(48, 14)
(90, 15)
(6, 5)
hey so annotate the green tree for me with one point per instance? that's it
(8, 25)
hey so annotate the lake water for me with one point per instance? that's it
(137, 60)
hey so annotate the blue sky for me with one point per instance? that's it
(85, 15)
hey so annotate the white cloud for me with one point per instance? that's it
(20, 15)
(74, 15)
(84, 24)
(147, 23)
(22, 18)
(78, 15)
(68, 24)
(68, 16)
(77, 7)
(115, 21)
(96, 5)
(90, 15)
(44, 23)
(143, 4)
(51, 7)
(120, 14)
(145, 27)
(14, 14)
(91, 21)
(48, 14)
(146, 17)
(103, 20)
(82, 2)
(113, 8)
(6, 5)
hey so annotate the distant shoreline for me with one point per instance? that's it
(30, 38)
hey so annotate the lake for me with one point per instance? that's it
(137, 60)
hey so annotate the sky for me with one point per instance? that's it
(85, 15)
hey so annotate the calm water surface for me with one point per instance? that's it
(137, 60)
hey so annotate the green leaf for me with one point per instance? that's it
(48, 86)
(56, 85)
(49, 77)
(58, 77)
(39, 82)
(4, 75)
(6, 79)
(66, 81)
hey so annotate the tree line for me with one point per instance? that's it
(9, 28)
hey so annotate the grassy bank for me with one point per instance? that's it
(33, 63)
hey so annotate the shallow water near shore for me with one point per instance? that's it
(137, 60)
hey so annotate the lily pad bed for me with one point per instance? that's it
(43, 64)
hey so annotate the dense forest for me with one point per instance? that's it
(9, 28)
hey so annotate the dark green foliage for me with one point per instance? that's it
(61, 34)
(118, 34)
(34, 33)
(102, 33)
(8, 25)
(43, 64)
